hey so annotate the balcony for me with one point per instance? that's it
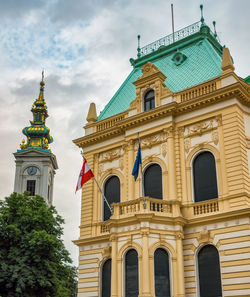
(130, 209)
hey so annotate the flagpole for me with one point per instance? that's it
(103, 196)
(142, 180)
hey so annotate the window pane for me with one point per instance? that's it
(161, 269)
(149, 100)
(153, 181)
(205, 182)
(209, 272)
(31, 187)
(106, 278)
(112, 194)
(131, 274)
(147, 105)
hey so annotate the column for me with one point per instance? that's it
(180, 265)
(131, 182)
(171, 165)
(114, 284)
(145, 286)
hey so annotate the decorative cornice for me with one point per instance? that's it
(235, 90)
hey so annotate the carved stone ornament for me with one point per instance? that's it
(187, 144)
(201, 127)
(110, 155)
(106, 253)
(164, 150)
(205, 237)
(100, 168)
(149, 141)
(121, 163)
(215, 137)
(148, 69)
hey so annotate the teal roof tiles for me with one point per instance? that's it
(202, 62)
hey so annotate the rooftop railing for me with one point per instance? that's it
(169, 39)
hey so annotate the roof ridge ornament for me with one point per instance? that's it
(138, 47)
(202, 18)
(215, 33)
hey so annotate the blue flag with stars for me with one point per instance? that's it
(137, 163)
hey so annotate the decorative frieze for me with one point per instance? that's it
(201, 133)
(149, 141)
(111, 155)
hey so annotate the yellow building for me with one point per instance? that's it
(188, 234)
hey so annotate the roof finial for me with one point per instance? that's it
(215, 33)
(43, 75)
(202, 18)
(138, 48)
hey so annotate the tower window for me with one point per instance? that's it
(106, 278)
(149, 100)
(131, 274)
(209, 272)
(205, 181)
(153, 181)
(48, 195)
(31, 187)
(112, 194)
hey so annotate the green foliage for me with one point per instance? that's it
(33, 259)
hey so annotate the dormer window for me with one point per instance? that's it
(149, 100)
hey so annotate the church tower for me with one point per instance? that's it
(35, 163)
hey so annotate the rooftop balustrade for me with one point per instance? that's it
(169, 39)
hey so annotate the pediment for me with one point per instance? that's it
(32, 153)
(150, 73)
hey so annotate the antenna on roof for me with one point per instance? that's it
(138, 48)
(215, 33)
(202, 18)
(172, 13)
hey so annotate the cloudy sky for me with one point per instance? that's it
(84, 47)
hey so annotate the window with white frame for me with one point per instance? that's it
(153, 181)
(112, 194)
(204, 177)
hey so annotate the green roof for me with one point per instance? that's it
(202, 61)
(247, 79)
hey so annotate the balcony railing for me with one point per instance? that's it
(146, 205)
(169, 39)
(206, 207)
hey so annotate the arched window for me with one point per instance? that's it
(106, 278)
(153, 181)
(149, 100)
(112, 194)
(131, 274)
(161, 270)
(204, 174)
(209, 272)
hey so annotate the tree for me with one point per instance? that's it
(33, 259)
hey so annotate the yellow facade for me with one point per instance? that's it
(213, 116)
